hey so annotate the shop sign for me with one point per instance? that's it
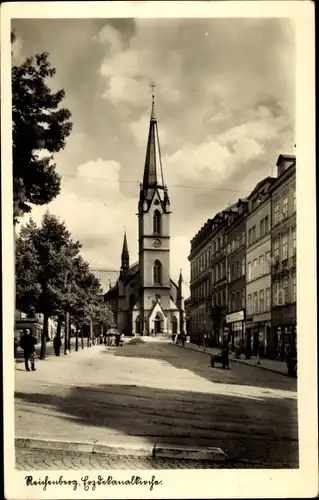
(236, 316)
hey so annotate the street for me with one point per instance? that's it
(157, 392)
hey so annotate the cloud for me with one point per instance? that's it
(225, 106)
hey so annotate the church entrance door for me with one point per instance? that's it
(137, 325)
(157, 324)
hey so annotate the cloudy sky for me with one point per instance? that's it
(225, 108)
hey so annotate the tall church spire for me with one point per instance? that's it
(125, 257)
(153, 153)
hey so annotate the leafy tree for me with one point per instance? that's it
(27, 263)
(54, 287)
(40, 128)
(103, 315)
(89, 289)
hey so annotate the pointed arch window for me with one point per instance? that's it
(157, 222)
(157, 272)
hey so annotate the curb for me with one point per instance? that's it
(179, 452)
(132, 450)
(237, 361)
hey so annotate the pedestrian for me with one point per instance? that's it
(27, 343)
(261, 350)
(57, 345)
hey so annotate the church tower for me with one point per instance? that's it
(125, 257)
(154, 237)
(122, 316)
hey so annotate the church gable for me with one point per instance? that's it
(157, 308)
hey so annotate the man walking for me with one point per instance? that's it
(27, 343)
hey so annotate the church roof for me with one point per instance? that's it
(125, 247)
(153, 154)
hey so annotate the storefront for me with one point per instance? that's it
(236, 324)
(285, 330)
(257, 335)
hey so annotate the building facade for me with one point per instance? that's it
(145, 299)
(200, 284)
(258, 267)
(283, 243)
(219, 275)
(236, 275)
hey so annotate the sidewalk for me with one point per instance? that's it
(265, 364)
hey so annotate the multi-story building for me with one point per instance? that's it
(283, 242)
(258, 267)
(236, 274)
(187, 305)
(200, 284)
(219, 276)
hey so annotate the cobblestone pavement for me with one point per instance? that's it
(56, 460)
(159, 393)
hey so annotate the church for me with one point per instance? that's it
(145, 300)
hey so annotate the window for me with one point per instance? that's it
(268, 262)
(249, 237)
(255, 269)
(217, 273)
(228, 248)
(285, 246)
(249, 271)
(243, 299)
(157, 222)
(253, 234)
(294, 287)
(224, 298)
(232, 272)
(266, 224)
(237, 300)
(268, 299)
(276, 214)
(261, 301)
(243, 238)
(285, 290)
(228, 275)
(262, 227)
(275, 289)
(213, 275)
(243, 267)
(249, 304)
(294, 201)
(157, 272)
(294, 241)
(276, 249)
(214, 247)
(237, 269)
(220, 298)
(255, 303)
(261, 265)
(285, 207)
(229, 303)
(233, 305)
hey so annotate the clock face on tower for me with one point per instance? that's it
(156, 243)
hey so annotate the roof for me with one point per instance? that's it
(283, 157)
(152, 154)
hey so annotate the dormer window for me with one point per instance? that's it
(157, 222)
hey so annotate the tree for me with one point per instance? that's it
(103, 315)
(89, 290)
(54, 287)
(40, 128)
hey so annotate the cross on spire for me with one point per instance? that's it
(153, 87)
